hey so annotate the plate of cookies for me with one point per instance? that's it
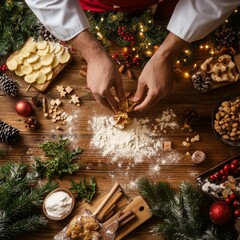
(226, 121)
(39, 62)
(217, 71)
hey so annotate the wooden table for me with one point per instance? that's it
(183, 97)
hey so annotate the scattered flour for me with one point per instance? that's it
(134, 142)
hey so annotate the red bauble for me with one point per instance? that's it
(220, 213)
(23, 108)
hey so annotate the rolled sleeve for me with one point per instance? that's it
(63, 18)
(195, 19)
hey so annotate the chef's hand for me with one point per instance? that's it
(102, 73)
(156, 79)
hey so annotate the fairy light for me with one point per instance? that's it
(236, 11)
(206, 46)
(149, 44)
(212, 52)
(187, 52)
(102, 19)
(133, 49)
(149, 21)
(226, 20)
(201, 47)
(186, 75)
(177, 62)
(100, 35)
(97, 27)
(141, 34)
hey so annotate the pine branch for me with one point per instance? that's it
(20, 197)
(184, 214)
(32, 223)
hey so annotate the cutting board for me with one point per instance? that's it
(43, 87)
(137, 205)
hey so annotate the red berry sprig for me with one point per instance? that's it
(125, 34)
(3, 68)
(126, 58)
(228, 169)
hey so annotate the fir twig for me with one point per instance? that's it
(184, 214)
(20, 197)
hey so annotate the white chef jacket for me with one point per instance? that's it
(191, 19)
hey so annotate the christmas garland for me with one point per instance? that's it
(138, 33)
(184, 214)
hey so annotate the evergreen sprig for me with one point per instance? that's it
(84, 190)
(183, 213)
(60, 160)
(17, 24)
(21, 196)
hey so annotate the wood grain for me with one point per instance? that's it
(106, 172)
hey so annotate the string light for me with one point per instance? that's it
(206, 46)
(186, 75)
(186, 51)
(102, 19)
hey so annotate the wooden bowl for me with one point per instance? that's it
(65, 215)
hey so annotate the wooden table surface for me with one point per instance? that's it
(93, 164)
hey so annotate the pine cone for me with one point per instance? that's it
(8, 134)
(46, 35)
(225, 36)
(8, 86)
(201, 82)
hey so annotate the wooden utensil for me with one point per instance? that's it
(108, 232)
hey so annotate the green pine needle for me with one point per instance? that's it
(183, 213)
(20, 197)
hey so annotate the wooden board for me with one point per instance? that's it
(42, 87)
(137, 205)
(215, 85)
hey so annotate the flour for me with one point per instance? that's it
(134, 142)
(137, 141)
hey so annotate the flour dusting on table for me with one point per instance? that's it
(137, 141)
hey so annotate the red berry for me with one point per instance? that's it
(226, 168)
(224, 178)
(232, 196)
(228, 200)
(222, 172)
(237, 212)
(235, 203)
(217, 175)
(235, 162)
(233, 166)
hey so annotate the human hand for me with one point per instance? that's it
(156, 79)
(154, 83)
(102, 74)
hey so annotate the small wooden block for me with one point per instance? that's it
(167, 146)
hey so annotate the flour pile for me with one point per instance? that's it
(134, 142)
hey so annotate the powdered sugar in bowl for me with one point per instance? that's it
(58, 204)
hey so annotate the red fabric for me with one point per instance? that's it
(125, 5)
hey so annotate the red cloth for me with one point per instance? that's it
(125, 5)
(163, 12)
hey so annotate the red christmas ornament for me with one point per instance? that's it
(23, 108)
(220, 213)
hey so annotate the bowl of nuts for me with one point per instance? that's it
(226, 121)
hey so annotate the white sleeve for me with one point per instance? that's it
(63, 18)
(195, 19)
